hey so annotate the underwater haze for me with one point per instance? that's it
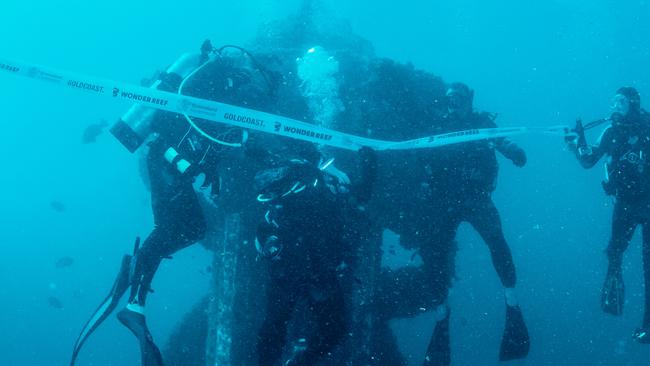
(73, 200)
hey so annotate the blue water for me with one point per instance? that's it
(535, 63)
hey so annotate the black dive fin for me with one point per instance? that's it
(439, 351)
(137, 325)
(613, 294)
(107, 306)
(515, 343)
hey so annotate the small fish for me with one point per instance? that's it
(92, 131)
(57, 206)
(64, 262)
(54, 302)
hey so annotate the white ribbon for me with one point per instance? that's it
(247, 118)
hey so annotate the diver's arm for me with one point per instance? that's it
(337, 173)
(511, 151)
(588, 156)
(507, 148)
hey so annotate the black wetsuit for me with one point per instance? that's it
(178, 218)
(627, 145)
(462, 179)
(306, 231)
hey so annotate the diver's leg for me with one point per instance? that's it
(623, 226)
(484, 217)
(280, 302)
(164, 240)
(161, 196)
(179, 222)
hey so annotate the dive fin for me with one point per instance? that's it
(107, 306)
(137, 324)
(439, 351)
(515, 343)
(613, 294)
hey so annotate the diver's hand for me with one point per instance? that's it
(518, 157)
(213, 182)
(338, 174)
(572, 137)
(579, 145)
(576, 133)
(571, 140)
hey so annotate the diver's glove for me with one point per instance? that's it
(208, 166)
(518, 156)
(574, 135)
(513, 152)
(211, 178)
(212, 181)
(340, 175)
(577, 141)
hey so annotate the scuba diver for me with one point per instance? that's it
(462, 178)
(303, 237)
(626, 143)
(179, 151)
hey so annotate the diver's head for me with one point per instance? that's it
(626, 104)
(240, 78)
(459, 99)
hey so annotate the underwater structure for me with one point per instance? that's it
(331, 77)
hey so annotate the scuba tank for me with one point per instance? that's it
(133, 128)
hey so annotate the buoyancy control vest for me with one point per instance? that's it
(628, 168)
